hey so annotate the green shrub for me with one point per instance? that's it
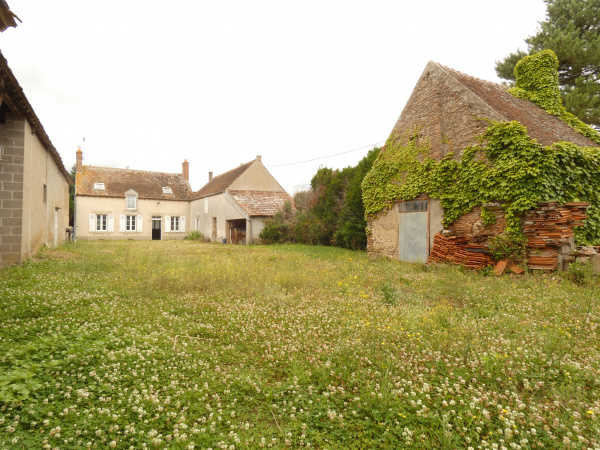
(512, 246)
(194, 235)
(580, 273)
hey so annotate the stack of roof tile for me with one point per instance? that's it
(458, 250)
(549, 227)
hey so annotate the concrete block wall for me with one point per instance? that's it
(11, 189)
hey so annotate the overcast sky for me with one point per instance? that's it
(217, 82)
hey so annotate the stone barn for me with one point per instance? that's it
(448, 126)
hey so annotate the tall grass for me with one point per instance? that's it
(181, 344)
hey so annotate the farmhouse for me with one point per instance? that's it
(34, 185)
(233, 205)
(462, 143)
(134, 204)
(115, 203)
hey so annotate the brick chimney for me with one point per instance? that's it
(79, 154)
(259, 158)
(210, 177)
(185, 170)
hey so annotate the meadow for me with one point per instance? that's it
(184, 345)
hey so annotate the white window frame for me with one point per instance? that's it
(102, 222)
(175, 222)
(167, 190)
(130, 223)
(134, 199)
(99, 186)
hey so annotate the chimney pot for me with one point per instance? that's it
(185, 169)
(210, 176)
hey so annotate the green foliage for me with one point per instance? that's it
(331, 213)
(580, 273)
(194, 235)
(389, 294)
(507, 166)
(512, 246)
(537, 81)
(276, 229)
(487, 216)
(351, 221)
(572, 31)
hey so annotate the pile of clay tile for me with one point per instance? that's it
(457, 250)
(548, 227)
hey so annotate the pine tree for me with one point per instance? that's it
(572, 30)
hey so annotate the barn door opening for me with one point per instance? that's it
(156, 228)
(413, 231)
(236, 231)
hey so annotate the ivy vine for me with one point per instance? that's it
(506, 166)
(537, 81)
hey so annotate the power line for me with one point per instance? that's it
(328, 156)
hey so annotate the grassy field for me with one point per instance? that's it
(178, 344)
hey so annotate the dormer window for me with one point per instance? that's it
(99, 186)
(131, 201)
(167, 190)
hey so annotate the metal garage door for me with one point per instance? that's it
(413, 231)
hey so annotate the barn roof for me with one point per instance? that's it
(546, 128)
(221, 182)
(447, 106)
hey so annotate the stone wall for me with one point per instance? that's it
(383, 235)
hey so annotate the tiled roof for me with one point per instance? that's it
(118, 181)
(546, 128)
(18, 103)
(261, 203)
(221, 182)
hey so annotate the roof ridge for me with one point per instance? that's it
(462, 74)
(235, 168)
(132, 170)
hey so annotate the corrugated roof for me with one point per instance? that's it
(261, 203)
(20, 105)
(546, 128)
(118, 181)
(221, 182)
